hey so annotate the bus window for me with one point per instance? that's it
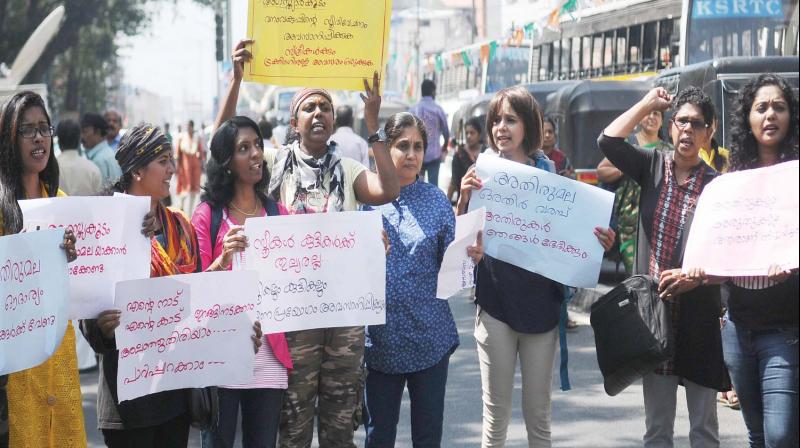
(634, 48)
(649, 46)
(664, 40)
(575, 63)
(565, 59)
(586, 57)
(546, 65)
(608, 53)
(597, 54)
(621, 60)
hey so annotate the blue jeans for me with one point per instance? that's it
(261, 413)
(763, 369)
(432, 169)
(384, 393)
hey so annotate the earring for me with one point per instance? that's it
(228, 172)
(138, 178)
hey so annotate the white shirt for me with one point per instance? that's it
(77, 175)
(351, 145)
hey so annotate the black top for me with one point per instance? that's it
(460, 165)
(770, 308)
(523, 300)
(698, 343)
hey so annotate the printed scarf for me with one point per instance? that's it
(181, 252)
(305, 184)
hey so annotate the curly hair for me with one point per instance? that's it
(398, 122)
(11, 169)
(219, 189)
(696, 97)
(744, 147)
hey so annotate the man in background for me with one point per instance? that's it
(94, 129)
(77, 175)
(436, 124)
(348, 143)
(114, 120)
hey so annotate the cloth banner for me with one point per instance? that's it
(542, 222)
(34, 288)
(318, 270)
(109, 242)
(331, 44)
(457, 271)
(185, 331)
(747, 221)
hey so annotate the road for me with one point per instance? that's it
(582, 417)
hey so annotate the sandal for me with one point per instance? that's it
(571, 324)
(729, 400)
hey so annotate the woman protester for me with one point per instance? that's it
(41, 406)
(671, 183)
(549, 140)
(307, 176)
(234, 192)
(466, 155)
(647, 135)
(518, 311)
(415, 345)
(760, 329)
(161, 419)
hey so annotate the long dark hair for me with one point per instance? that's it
(11, 188)
(526, 107)
(398, 122)
(744, 147)
(219, 187)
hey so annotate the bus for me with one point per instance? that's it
(628, 39)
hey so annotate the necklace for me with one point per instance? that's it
(253, 213)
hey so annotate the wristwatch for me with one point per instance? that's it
(379, 136)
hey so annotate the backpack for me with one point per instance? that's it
(632, 331)
(216, 217)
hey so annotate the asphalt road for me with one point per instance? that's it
(582, 417)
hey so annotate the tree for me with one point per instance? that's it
(82, 57)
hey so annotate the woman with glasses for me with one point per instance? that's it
(44, 407)
(671, 183)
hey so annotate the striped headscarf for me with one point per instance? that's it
(141, 145)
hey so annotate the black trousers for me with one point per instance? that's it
(171, 434)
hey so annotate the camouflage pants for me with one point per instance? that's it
(326, 375)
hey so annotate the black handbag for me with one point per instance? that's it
(632, 332)
(204, 407)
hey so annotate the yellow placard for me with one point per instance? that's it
(318, 43)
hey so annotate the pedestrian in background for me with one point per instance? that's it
(549, 141)
(760, 330)
(438, 133)
(114, 134)
(518, 311)
(348, 143)
(93, 136)
(671, 183)
(190, 152)
(235, 191)
(44, 406)
(413, 348)
(78, 176)
(466, 155)
(306, 175)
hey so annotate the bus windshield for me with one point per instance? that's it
(718, 28)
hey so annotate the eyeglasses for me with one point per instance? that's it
(30, 131)
(697, 125)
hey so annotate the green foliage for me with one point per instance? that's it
(81, 60)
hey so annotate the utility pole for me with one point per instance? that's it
(419, 60)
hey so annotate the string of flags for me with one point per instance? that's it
(487, 51)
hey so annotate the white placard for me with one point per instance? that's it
(109, 242)
(542, 222)
(318, 270)
(457, 271)
(747, 221)
(185, 331)
(33, 286)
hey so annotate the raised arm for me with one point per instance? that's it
(228, 107)
(383, 186)
(633, 161)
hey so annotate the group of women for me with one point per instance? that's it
(756, 348)
(319, 374)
